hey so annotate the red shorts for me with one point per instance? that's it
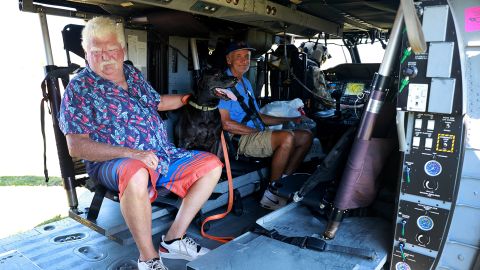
(182, 173)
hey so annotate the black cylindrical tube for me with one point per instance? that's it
(66, 163)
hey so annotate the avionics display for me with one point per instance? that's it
(354, 88)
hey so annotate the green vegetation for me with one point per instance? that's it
(55, 218)
(29, 181)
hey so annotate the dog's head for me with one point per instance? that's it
(213, 86)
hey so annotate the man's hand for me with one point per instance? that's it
(81, 146)
(171, 102)
(147, 157)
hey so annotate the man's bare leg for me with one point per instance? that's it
(137, 212)
(197, 195)
(302, 142)
(282, 145)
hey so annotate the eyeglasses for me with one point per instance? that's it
(110, 52)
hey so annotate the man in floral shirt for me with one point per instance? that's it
(110, 119)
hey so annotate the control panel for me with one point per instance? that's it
(431, 167)
(353, 92)
(430, 93)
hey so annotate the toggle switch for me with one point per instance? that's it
(404, 222)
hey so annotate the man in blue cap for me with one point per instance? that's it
(287, 148)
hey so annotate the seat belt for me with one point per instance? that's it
(58, 73)
(251, 114)
(313, 243)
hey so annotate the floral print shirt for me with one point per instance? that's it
(116, 116)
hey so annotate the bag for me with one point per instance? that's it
(291, 108)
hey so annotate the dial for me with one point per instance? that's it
(423, 239)
(430, 184)
(402, 266)
(425, 223)
(433, 168)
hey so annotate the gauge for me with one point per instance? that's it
(433, 168)
(402, 266)
(425, 223)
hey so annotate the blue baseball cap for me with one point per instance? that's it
(238, 45)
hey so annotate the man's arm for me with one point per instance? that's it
(274, 120)
(81, 146)
(233, 126)
(171, 102)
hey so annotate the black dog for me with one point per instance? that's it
(199, 125)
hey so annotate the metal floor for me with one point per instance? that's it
(67, 244)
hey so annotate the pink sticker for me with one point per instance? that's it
(472, 19)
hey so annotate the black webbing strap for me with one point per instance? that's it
(250, 110)
(314, 243)
(52, 76)
(44, 102)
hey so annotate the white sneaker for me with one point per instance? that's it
(184, 248)
(153, 264)
(272, 201)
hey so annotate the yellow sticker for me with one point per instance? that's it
(445, 143)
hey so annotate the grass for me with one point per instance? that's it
(29, 181)
(55, 218)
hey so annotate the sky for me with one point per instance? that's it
(23, 55)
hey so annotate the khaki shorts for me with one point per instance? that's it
(256, 144)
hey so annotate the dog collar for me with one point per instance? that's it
(202, 108)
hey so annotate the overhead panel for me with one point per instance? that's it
(259, 13)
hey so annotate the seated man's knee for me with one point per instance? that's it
(215, 173)
(138, 182)
(283, 138)
(303, 136)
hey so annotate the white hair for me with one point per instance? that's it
(100, 27)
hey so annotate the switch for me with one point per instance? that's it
(428, 143)
(416, 141)
(417, 97)
(418, 123)
(430, 124)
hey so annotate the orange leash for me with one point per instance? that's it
(222, 239)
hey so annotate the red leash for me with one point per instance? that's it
(222, 239)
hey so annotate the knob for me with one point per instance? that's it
(423, 239)
(410, 71)
(431, 184)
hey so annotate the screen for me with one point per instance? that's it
(354, 89)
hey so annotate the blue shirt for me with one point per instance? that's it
(236, 112)
(116, 116)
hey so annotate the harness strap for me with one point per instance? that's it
(251, 113)
(222, 239)
(314, 243)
